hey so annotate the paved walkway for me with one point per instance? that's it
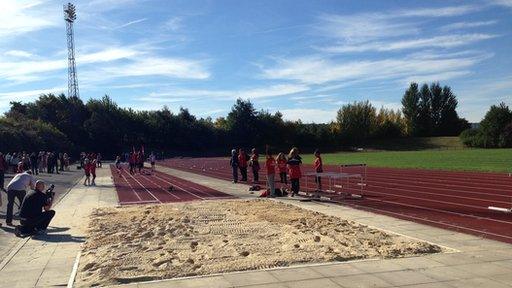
(63, 183)
(48, 260)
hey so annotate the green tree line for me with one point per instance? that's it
(60, 123)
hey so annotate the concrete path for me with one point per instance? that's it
(471, 262)
(63, 183)
(47, 260)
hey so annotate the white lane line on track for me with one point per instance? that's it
(147, 190)
(131, 187)
(147, 178)
(194, 188)
(137, 202)
(184, 190)
(431, 221)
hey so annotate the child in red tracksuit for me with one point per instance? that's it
(318, 169)
(281, 166)
(270, 164)
(87, 171)
(294, 162)
(93, 171)
(242, 163)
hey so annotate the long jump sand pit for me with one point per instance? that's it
(142, 243)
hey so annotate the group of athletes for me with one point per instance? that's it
(135, 161)
(288, 166)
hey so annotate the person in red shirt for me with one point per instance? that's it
(294, 162)
(270, 164)
(87, 171)
(255, 165)
(281, 165)
(242, 163)
(318, 169)
(132, 160)
(92, 168)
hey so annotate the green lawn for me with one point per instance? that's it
(490, 160)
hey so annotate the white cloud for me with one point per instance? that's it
(319, 70)
(27, 95)
(436, 77)
(19, 54)
(173, 24)
(177, 95)
(464, 25)
(438, 12)
(506, 3)
(309, 115)
(160, 66)
(446, 41)
(19, 17)
(131, 23)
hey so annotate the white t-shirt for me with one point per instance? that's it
(21, 181)
(151, 158)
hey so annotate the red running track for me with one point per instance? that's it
(153, 188)
(450, 200)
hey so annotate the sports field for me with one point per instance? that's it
(485, 160)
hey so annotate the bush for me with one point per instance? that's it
(471, 138)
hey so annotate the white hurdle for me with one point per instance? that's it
(501, 209)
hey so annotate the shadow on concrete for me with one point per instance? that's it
(59, 238)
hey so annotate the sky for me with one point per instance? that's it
(303, 58)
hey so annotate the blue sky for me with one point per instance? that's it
(303, 58)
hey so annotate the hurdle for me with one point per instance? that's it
(501, 209)
(341, 180)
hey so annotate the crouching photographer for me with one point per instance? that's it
(35, 210)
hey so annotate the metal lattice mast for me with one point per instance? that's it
(69, 17)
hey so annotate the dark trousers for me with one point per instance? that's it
(49, 168)
(2, 179)
(40, 222)
(235, 174)
(318, 181)
(11, 196)
(255, 175)
(33, 167)
(243, 171)
(295, 185)
(282, 175)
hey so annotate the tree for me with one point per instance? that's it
(357, 121)
(411, 109)
(493, 125)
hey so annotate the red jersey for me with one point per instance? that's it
(242, 160)
(270, 164)
(318, 165)
(281, 165)
(92, 168)
(294, 168)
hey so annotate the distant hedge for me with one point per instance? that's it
(495, 130)
(30, 135)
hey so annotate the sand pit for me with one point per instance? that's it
(197, 238)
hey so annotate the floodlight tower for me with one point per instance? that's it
(70, 17)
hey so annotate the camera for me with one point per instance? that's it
(49, 192)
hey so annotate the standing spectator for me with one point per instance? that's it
(140, 161)
(15, 160)
(66, 161)
(281, 165)
(49, 162)
(270, 164)
(7, 161)
(61, 162)
(56, 162)
(3, 169)
(34, 166)
(294, 162)
(242, 163)
(318, 169)
(132, 160)
(234, 165)
(40, 161)
(98, 160)
(118, 165)
(92, 168)
(152, 161)
(87, 171)
(17, 188)
(255, 165)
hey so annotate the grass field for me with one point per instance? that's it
(488, 160)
